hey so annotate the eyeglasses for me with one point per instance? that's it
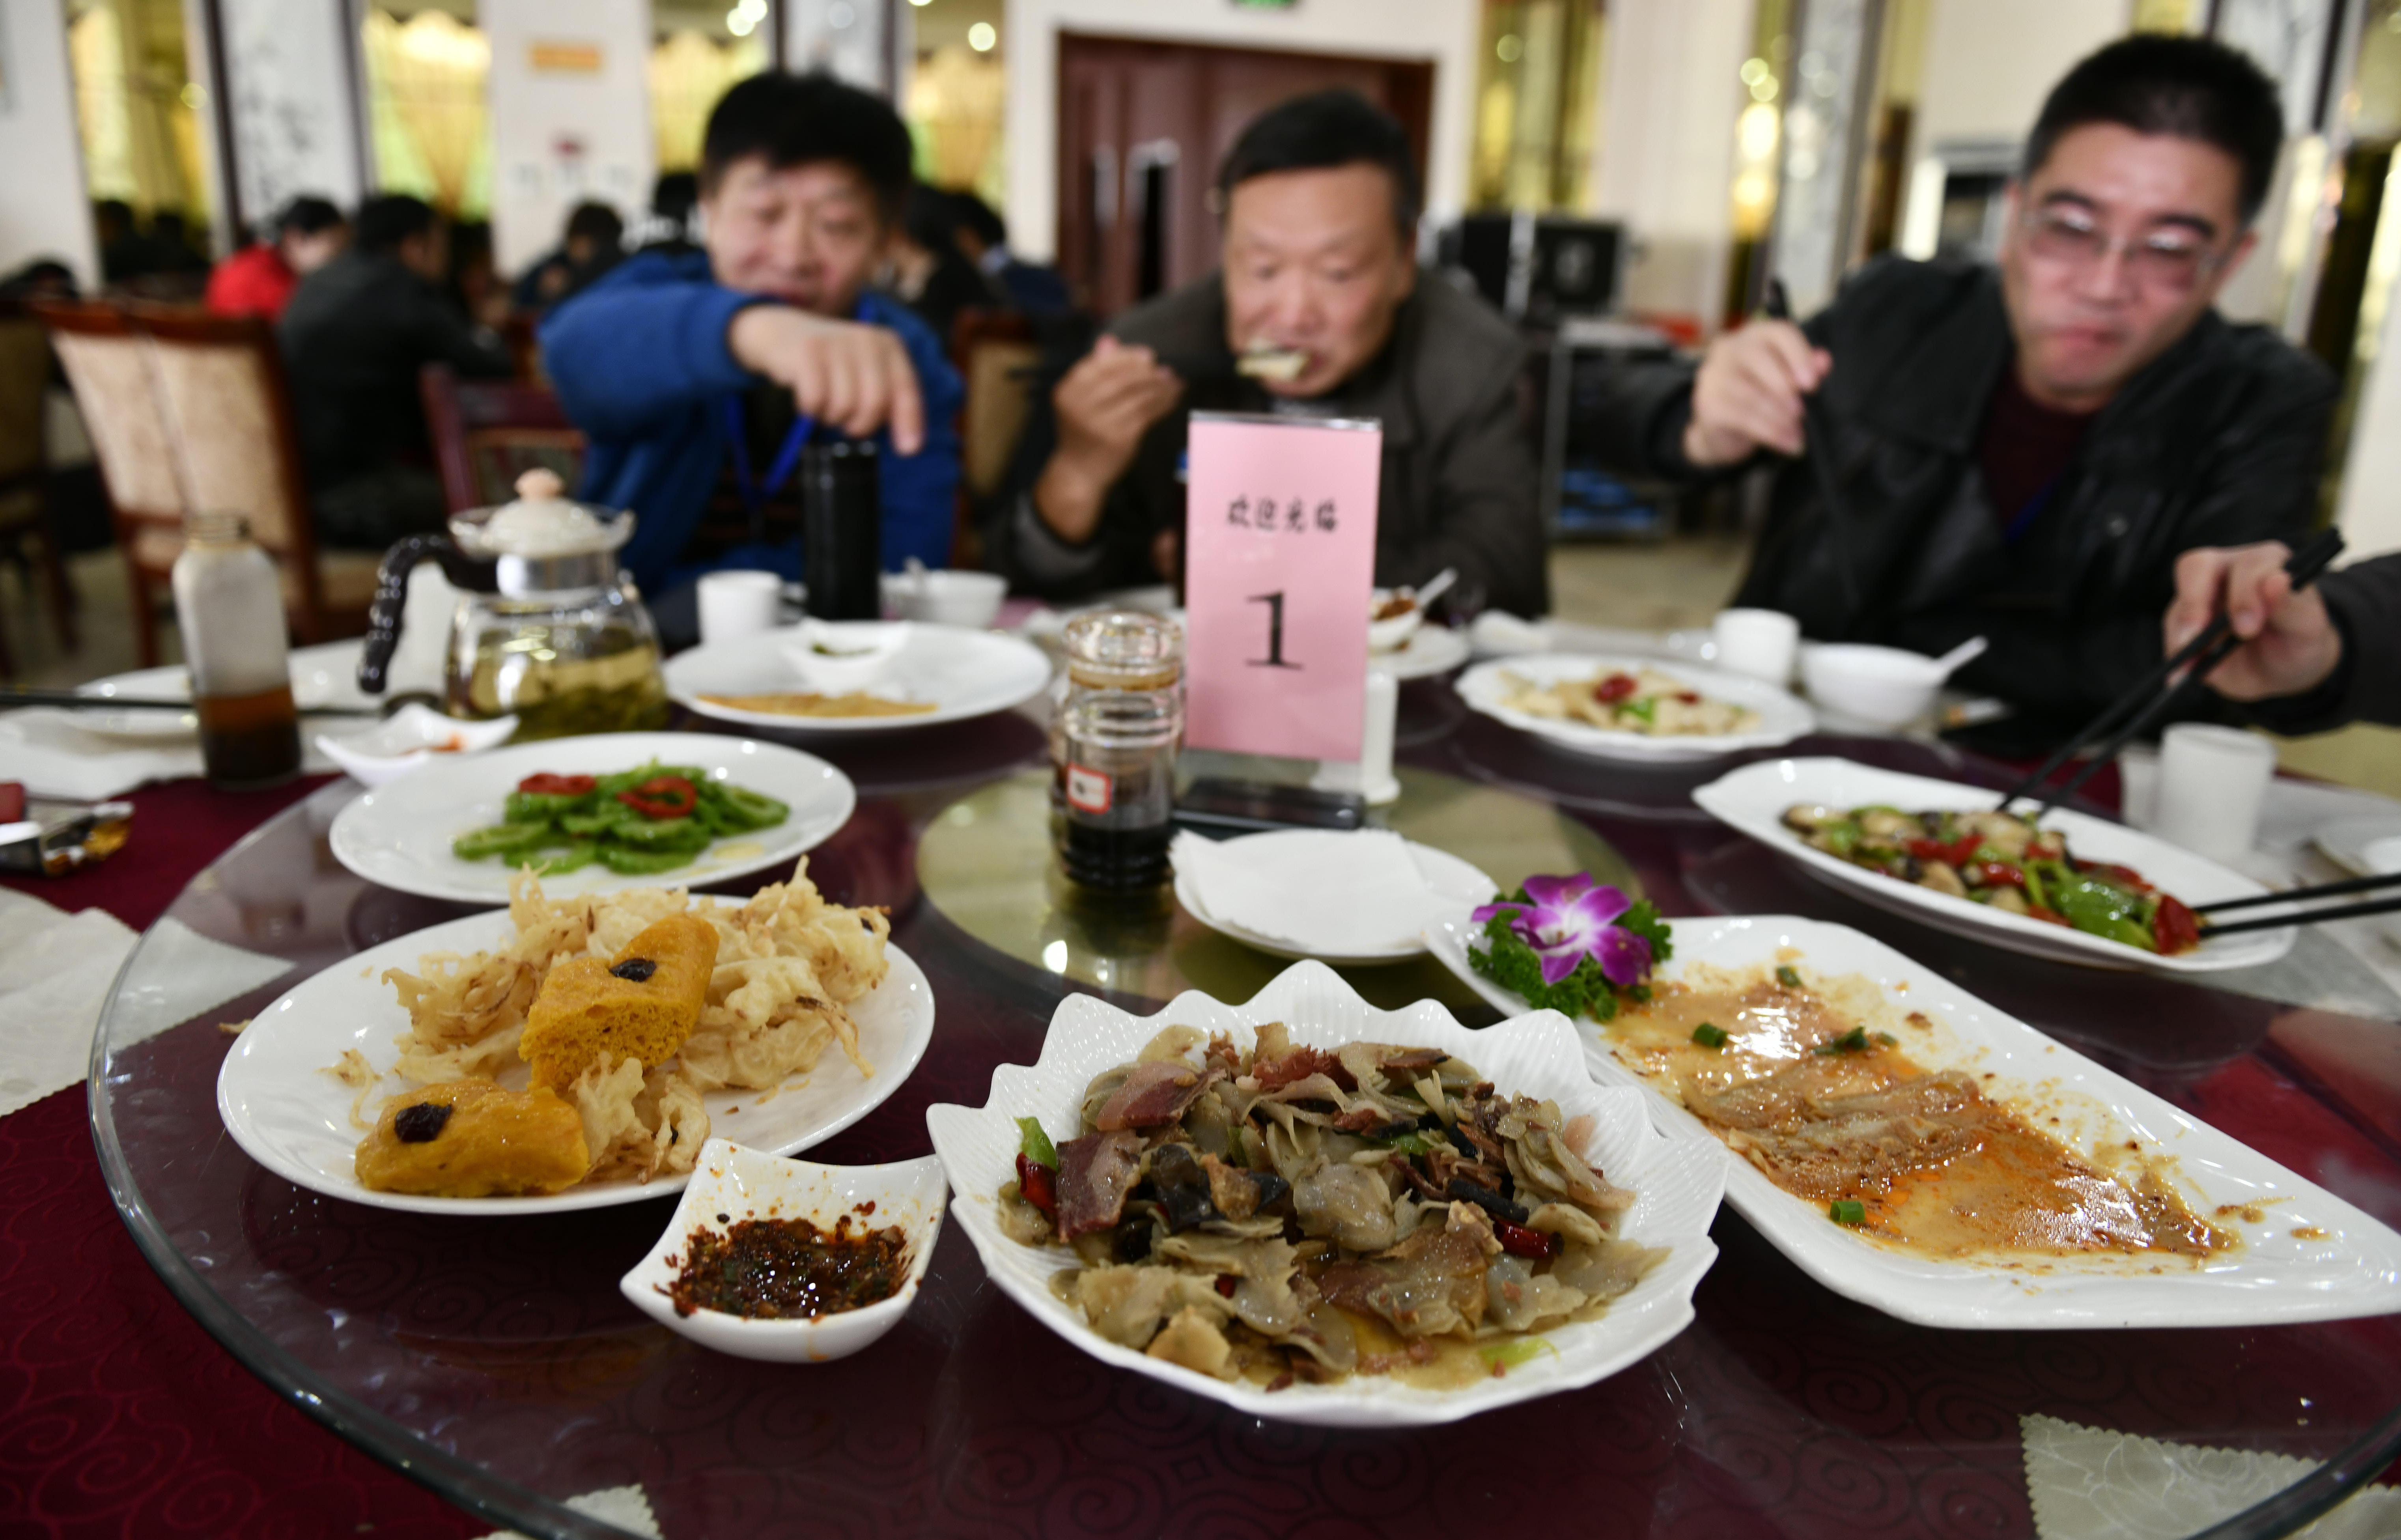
(2168, 259)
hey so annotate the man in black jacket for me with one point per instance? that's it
(355, 335)
(2023, 453)
(2310, 662)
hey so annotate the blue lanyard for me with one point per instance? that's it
(756, 493)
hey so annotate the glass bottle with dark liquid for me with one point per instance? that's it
(1113, 745)
(229, 609)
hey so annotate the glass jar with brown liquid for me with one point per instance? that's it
(1113, 734)
(229, 610)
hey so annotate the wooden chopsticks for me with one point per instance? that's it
(2147, 702)
(2300, 895)
(15, 695)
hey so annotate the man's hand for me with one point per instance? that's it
(1747, 394)
(1105, 404)
(856, 378)
(2289, 644)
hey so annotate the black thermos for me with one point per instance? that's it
(842, 537)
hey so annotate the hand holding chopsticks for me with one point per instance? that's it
(2147, 702)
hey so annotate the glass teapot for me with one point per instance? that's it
(546, 626)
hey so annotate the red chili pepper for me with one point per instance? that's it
(1519, 1241)
(1997, 874)
(547, 785)
(1226, 1285)
(2125, 876)
(12, 801)
(1956, 853)
(662, 797)
(1616, 688)
(2048, 917)
(2175, 929)
(1038, 1185)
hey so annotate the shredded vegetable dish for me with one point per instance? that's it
(1647, 702)
(1293, 1213)
(2004, 861)
(639, 822)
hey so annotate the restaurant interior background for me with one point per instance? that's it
(1595, 162)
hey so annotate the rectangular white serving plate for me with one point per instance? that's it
(2274, 1278)
(1754, 797)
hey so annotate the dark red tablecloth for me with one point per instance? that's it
(119, 1415)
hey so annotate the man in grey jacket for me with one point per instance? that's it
(1318, 309)
(2022, 453)
(2310, 662)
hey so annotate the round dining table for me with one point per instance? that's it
(195, 1345)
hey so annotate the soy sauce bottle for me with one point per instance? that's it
(230, 608)
(1113, 745)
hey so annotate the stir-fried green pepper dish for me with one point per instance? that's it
(639, 822)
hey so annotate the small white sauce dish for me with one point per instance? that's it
(407, 738)
(734, 1183)
(1393, 634)
(1881, 687)
(838, 657)
(945, 598)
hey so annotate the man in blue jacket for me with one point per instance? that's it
(698, 375)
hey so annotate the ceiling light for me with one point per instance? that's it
(982, 36)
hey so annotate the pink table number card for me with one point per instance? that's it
(1280, 559)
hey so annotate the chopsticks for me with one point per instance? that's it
(2147, 702)
(2299, 896)
(14, 695)
(1818, 448)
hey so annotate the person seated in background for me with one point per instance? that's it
(43, 277)
(982, 238)
(593, 243)
(698, 377)
(1320, 200)
(2310, 662)
(927, 272)
(2021, 453)
(667, 227)
(355, 335)
(258, 279)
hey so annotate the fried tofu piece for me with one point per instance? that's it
(472, 1138)
(642, 1006)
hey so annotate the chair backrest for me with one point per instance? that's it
(487, 433)
(221, 386)
(108, 367)
(999, 398)
(24, 379)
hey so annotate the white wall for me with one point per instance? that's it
(1988, 66)
(1443, 30)
(296, 128)
(43, 211)
(536, 110)
(1669, 96)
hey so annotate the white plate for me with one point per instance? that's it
(2274, 1277)
(321, 676)
(961, 672)
(1678, 1181)
(1782, 717)
(1429, 650)
(1753, 799)
(400, 835)
(1446, 873)
(295, 1119)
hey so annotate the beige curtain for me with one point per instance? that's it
(689, 72)
(428, 77)
(956, 104)
(126, 113)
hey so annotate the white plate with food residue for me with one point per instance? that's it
(2305, 1254)
(1677, 1179)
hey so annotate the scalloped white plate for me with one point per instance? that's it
(1782, 717)
(2275, 1277)
(1677, 1179)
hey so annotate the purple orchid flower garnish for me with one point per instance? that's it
(1570, 919)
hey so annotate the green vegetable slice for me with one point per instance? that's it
(502, 839)
(1788, 976)
(1034, 1145)
(1853, 1042)
(626, 861)
(1709, 1035)
(1849, 1211)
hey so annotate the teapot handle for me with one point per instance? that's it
(391, 597)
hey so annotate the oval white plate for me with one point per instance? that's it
(1677, 1181)
(1445, 872)
(960, 673)
(2274, 1277)
(295, 1119)
(1781, 716)
(400, 835)
(1753, 799)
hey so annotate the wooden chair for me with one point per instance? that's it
(27, 536)
(995, 354)
(229, 411)
(487, 433)
(107, 364)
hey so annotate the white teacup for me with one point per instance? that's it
(1759, 643)
(2213, 784)
(735, 605)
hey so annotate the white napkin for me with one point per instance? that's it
(2088, 1483)
(55, 971)
(43, 747)
(627, 1507)
(1317, 890)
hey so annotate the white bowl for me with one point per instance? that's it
(407, 738)
(1881, 685)
(859, 652)
(949, 598)
(1386, 635)
(731, 1184)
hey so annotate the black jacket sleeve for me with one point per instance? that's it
(2363, 600)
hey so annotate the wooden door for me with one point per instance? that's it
(1142, 129)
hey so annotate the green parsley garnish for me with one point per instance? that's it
(1853, 1042)
(1709, 1035)
(1788, 976)
(1847, 1211)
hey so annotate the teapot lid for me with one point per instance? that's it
(542, 524)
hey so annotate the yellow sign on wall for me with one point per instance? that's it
(564, 58)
